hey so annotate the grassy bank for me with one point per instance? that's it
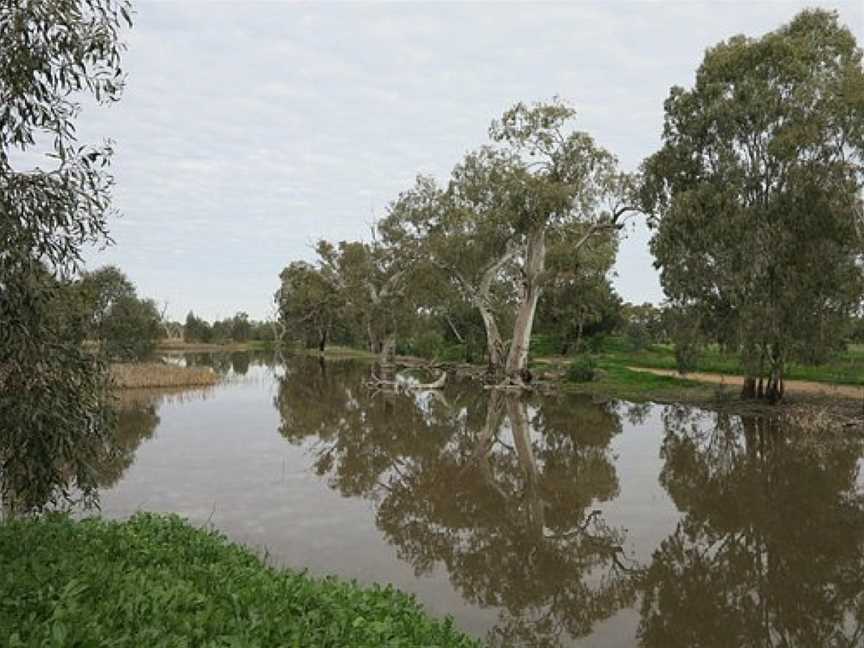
(156, 581)
(612, 380)
(340, 352)
(167, 346)
(615, 379)
(155, 374)
(845, 368)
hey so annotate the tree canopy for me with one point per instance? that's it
(52, 392)
(755, 194)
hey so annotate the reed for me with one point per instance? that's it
(154, 374)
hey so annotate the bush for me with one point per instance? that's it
(581, 369)
(545, 345)
(157, 581)
(130, 329)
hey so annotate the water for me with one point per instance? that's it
(546, 521)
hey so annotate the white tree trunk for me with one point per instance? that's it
(494, 343)
(535, 264)
(482, 299)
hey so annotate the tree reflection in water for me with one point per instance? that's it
(100, 464)
(770, 551)
(499, 490)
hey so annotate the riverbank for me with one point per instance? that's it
(156, 580)
(146, 375)
(181, 346)
(843, 368)
(615, 379)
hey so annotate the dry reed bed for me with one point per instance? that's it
(155, 374)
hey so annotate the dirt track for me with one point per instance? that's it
(794, 386)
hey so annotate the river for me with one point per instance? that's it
(552, 520)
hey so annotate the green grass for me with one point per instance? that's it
(844, 368)
(157, 581)
(616, 381)
(342, 352)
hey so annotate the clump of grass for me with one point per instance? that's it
(581, 369)
(157, 581)
(155, 374)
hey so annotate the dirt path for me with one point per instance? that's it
(796, 386)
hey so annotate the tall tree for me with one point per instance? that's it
(371, 279)
(52, 392)
(309, 303)
(130, 329)
(564, 181)
(460, 234)
(755, 194)
(534, 186)
(579, 301)
(100, 289)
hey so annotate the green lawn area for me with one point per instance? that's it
(614, 380)
(845, 368)
(157, 581)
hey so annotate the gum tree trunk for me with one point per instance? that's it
(481, 297)
(535, 264)
(494, 343)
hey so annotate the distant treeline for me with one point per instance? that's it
(237, 328)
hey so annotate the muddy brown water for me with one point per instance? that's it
(546, 521)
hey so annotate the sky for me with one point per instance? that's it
(249, 130)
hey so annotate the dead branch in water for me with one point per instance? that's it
(379, 383)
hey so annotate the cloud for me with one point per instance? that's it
(250, 129)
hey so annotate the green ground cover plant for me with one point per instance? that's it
(158, 581)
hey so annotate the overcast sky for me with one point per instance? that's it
(248, 130)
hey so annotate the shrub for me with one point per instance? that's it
(130, 329)
(581, 369)
(157, 581)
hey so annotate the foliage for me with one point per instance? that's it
(581, 369)
(196, 329)
(158, 581)
(537, 189)
(643, 324)
(309, 303)
(579, 302)
(52, 392)
(755, 194)
(371, 281)
(237, 328)
(131, 329)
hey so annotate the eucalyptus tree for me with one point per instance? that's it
(537, 184)
(579, 301)
(755, 195)
(563, 180)
(309, 303)
(100, 289)
(372, 280)
(52, 392)
(459, 235)
(131, 329)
